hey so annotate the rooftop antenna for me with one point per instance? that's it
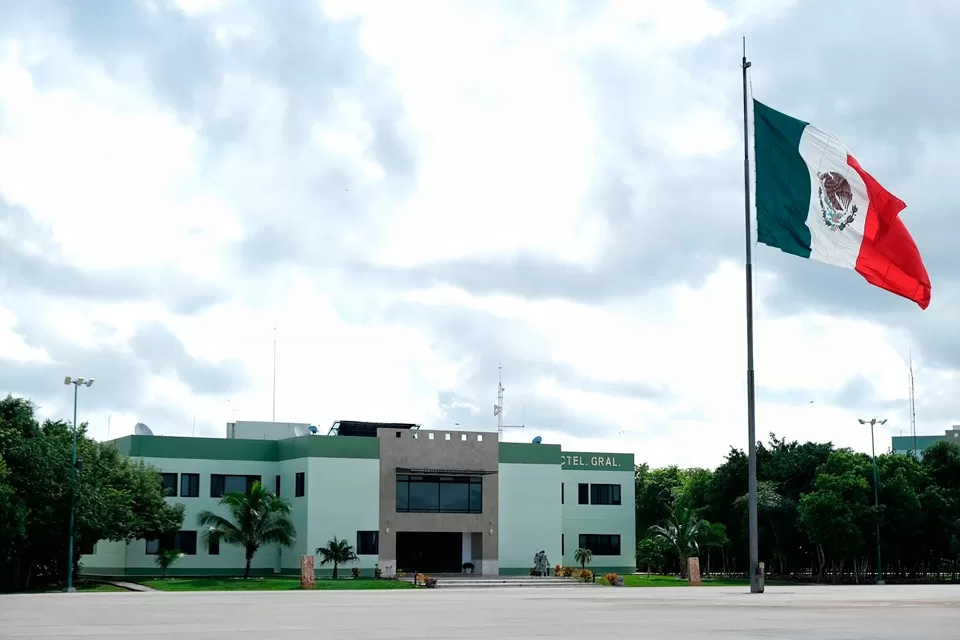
(498, 407)
(274, 413)
(913, 408)
(108, 425)
(194, 425)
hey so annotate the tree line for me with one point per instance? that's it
(116, 498)
(816, 513)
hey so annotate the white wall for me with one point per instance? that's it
(230, 557)
(530, 514)
(601, 519)
(106, 555)
(344, 497)
(288, 469)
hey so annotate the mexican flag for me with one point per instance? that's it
(814, 200)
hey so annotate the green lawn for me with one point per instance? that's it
(672, 581)
(269, 584)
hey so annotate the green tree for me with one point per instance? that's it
(713, 535)
(650, 552)
(259, 518)
(336, 552)
(166, 558)
(584, 556)
(681, 531)
(117, 498)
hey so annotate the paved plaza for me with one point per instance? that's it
(808, 612)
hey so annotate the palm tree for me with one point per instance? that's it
(166, 558)
(583, 556)
(338, 552)
(712, 535)
(681, 530)
(259, 517)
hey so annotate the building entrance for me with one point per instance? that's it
(429, 551)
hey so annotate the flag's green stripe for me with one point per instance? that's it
(783, 182)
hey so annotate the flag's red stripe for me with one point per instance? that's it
(889, 257)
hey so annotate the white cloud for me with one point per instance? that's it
(509, 148)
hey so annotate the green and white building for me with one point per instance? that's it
(918, 444)
(407, 498)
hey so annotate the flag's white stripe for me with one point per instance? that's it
(823, 152)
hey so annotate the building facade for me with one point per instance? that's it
(917, 445)
(407, 499)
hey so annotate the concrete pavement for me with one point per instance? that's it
(809, 612)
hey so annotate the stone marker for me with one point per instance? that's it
(693, 572)
(307, 578)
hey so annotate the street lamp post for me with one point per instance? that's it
(76, 382)
(876, 489)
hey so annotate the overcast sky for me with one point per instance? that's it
(412, 192)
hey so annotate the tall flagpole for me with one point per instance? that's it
(755, 584)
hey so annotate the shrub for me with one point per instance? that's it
(565, 572)
(584, 575)
(356, 572)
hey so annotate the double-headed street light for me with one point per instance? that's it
(876, 488)
(76, 382)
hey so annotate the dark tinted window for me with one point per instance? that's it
(276, 486)
(604, 494)
(185, 541)
(439, 494)
(601, 544)
(583, 493)
(213, 546)
(169, 482)
(368, 543)
(221, 484)
(189, 485)
(301, 485)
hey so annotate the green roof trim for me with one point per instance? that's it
(596, 461)
(188, 448)
(905, 443)
(328, 447)
(524, 453)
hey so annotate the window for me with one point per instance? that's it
(563, 549)
(562, 485)
(583, 493)
(301, 485)
(185, 541)
(169, 482)
(87, 548)
(276, 486)
(439, 494)
(368, 543)
(604, 494)
(601, 544)
(213, 546)
(222, 484)
(189, 485)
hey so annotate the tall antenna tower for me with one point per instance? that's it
(498, 407)
(913, 408)
(274, 413)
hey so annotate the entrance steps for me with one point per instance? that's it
(474, 581)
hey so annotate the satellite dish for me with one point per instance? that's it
(313, 429)
(537, 440)
(142, 430)
(300, 430)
